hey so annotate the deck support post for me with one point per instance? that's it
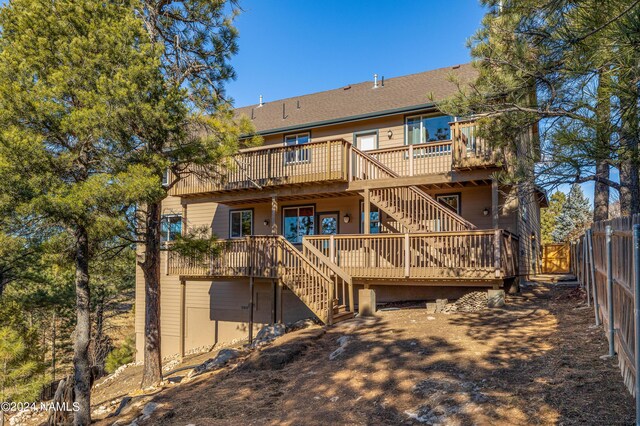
(274, 286)
(407, 256)
(183, 291)
(251, 309)
(279, 302)
(495, 213)
(274, 210)
(497, 252)
(367, 211)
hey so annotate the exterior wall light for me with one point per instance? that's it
(390, 134)
(485, 211)
(346, 218)
(266, 222)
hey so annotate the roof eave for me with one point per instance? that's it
(377, 114)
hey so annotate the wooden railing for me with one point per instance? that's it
(470, 150)
(416, 160)
(419, 210)
(245, 257)
(263, 256)
(271, 166)
(477, 255)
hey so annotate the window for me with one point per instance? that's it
(170, 227)
(450, 200)
(296, 155)
(367, 141)
(374, 219)
(165, 177)
(298, 222)
(422, 129)
(240, 223)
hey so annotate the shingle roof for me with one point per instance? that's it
(359, 99)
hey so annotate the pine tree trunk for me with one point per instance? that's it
(629, 164)
(603, 148)
(82, 367)
(152, 372)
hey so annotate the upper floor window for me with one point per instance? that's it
(165, 177)
(240, 223)
(450, 200)
(296, 155)
(170, 227)
(422, 129)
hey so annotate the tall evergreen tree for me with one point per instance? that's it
(78, 81)
(574, 218)
(549, 216)
(196, 41)
(570, 67)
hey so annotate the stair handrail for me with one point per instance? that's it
(414, 188)
(327, 262)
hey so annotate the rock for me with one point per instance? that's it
(148, 410)
(268, 333)
(343, 341)
(475, 301)
(300, 324)
(495, 298)
(220, 360)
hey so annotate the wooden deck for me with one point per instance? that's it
(487, 255)
(337, 161)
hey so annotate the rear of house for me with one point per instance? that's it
(364, 186)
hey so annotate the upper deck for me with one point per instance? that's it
(327, 162)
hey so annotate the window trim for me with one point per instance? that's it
(452, 194)
(422, 116)
(365, 133)
(162, 220)
(298, 206)
(361, 218)
(231, 222)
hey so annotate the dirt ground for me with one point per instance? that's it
(537, 361)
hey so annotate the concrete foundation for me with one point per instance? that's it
(366, 302)
(495, 298)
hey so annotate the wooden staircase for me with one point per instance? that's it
(410, 206)
(310, 278)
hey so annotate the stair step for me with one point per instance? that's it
(342, 317)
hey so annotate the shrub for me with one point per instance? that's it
(121, 355)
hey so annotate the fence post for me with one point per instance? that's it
(585, 261)
(592, 271)
(636, 311)
(608, 234)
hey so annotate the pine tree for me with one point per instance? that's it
(78, 80)
(196, 40)
(574, 218)
(18, 368)
(571, 67)
(549, 216)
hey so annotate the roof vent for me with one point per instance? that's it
(382, 81)
(346, 87)
(375, 81)
(261, 101)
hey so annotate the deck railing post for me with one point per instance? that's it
(328, 150)
(407, 256)
(497, 251)
(332, 248)
(636, 311)
(608, 234)
(592, 272)
(410, 160)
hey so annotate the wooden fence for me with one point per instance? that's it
(606, 261)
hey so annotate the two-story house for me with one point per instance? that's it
(364, 186)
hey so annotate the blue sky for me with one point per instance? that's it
(295, 47)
